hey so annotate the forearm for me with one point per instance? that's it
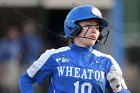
(26, 84)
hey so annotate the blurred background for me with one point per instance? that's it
(29, 27)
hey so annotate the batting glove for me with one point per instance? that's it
(116, 80)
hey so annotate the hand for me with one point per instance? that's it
(116, 80)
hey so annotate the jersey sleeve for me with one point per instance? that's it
(26, 84)
(112, 62)
(37, 72)
(42, 68)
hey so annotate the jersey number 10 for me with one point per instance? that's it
(82, 87)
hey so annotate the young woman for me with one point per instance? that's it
(77, 68)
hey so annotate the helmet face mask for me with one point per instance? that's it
(81, 13)
(72, 29)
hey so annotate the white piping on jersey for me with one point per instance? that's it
(99, 54)
(32, 70)
(52, 85)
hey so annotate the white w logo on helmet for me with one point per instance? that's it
(96, 12)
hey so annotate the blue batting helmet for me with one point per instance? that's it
(80, 13)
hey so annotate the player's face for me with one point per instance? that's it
(90, 33)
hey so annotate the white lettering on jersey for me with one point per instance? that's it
(102, 75)
(77, 72)
(90, 72)
(80, 73)
(97, 75)
(68, 71)
(84, 74)
(60, 70)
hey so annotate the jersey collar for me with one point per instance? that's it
(81, 50)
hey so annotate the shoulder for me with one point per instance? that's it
(55, 51)
(44, 59)
(100, 54)
(111, 61)
(51, 52)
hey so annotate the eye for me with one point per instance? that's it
(87, 25)
(97, 27)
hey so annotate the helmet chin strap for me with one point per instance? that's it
(85, 37)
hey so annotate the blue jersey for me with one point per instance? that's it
(70, 70)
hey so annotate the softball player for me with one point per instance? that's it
(77, 68)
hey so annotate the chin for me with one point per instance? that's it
(91, 44)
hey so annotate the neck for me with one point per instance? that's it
(78, 42)
(81, 50)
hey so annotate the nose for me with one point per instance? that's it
(94, 29)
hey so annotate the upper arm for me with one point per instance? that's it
(37, 72)
(42, 68)
(113, 62)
